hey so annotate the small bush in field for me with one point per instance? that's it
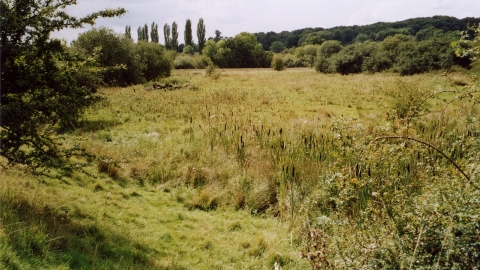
(212, 71)
(184, 62)
(277, 63)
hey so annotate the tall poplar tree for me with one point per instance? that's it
(140, 33)
(145, 33)
(201, 35)
(188, 33)
(154, 33)
(174, 45)
(166, 36)
(128, 32)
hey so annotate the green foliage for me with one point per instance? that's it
(324, 63)
(277, 63)
(291, 61)
(328, 48)
(468, 47)
(166, 36)
(427, 55)
(188, 33)
(218, 36)
(154, 62)
(313, 39)
(398, 53)
(189, 61)
(125, 62)
(201, 35)
(154, 37)
(441, 25)
(188, 50)
(241, 51)
(211, 70)
(361, 38)
(40, 88)
(116, 55)
(277, 47)
(174, 40)
(142, 33)
(306, 55)
(128, 32)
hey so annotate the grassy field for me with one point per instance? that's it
(255, 167)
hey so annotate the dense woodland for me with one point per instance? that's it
(420, 28)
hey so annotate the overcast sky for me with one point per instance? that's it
(234, 16)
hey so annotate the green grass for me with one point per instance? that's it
(232, 172)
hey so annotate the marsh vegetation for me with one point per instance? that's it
(238, 171)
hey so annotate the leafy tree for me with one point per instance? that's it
(188, 33)
(218, 53)
(116, 55)
(154, 63)
(432, 54)
(361, 38)
(123, 62)
(140, 33)
(329, 47)
(246, 51)
(201, 32)
(174, 41)
(241, 51)
(166, 36)
(277, 47)
(154, 33)
(40, 88)
(210, 49)
(128, 32)
(349, 60)
(181, 47)
(323, 62)
(145, 33)
(313, 39)
(188, 50)
(218, 36)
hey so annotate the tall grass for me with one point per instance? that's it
(314, 151)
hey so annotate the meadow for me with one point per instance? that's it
(246, 168)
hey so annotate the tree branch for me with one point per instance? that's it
(429, 145)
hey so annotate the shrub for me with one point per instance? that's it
(277, 63)
(154, 60)
(323, 64)
(188, 50)
(291, 61)
(123, 62)
(184, 62)
(377, 63)
(277, 46)
(212, 71)
(329, 47)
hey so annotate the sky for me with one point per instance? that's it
(232, 17)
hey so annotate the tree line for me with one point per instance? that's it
(375, 32)
(170, 35)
